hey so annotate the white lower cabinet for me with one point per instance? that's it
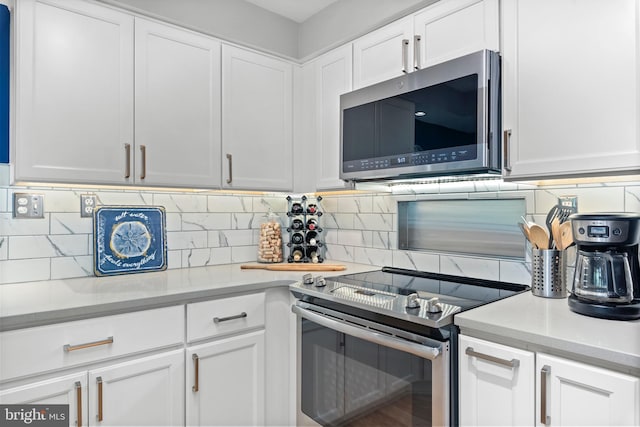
(496, 384)
(145, 391)
(132, 369)
(577, 394)
(225, 382)
(502, 385)
(68, 389)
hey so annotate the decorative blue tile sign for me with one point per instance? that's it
(129, 239)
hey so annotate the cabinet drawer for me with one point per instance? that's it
(224, 316)
(28, 351)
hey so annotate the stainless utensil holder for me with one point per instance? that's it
(549, 273)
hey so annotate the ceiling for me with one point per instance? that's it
(296, 10)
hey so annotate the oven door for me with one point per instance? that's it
(354, 372)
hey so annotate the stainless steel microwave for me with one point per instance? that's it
(440, 120)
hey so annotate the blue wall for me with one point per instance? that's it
(4, 84)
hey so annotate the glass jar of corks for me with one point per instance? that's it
(270, 241)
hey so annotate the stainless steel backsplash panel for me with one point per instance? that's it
(484, 227)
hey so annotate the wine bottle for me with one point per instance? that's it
(297, 253)
(312, 238)
(297, 224)
(312, 224)
(312, 254)
(297, 209)
(312, 209)
(297, 238)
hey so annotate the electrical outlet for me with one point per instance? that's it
(87, 204)
(28, 205)
(569, 202)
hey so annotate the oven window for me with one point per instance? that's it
(347, 381)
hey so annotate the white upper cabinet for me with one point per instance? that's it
(257, 121)
(571, 99)
(442, 31)
(74, 81)
(383, 54)
(177, 107)
(76, 67)
(332, 78)
(453, 28)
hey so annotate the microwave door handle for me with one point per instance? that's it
(405, 56)
(420, 350)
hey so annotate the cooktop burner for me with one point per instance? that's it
(427, 298)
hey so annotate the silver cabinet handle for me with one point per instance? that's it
(230, 161)
(79, 402)
(143, 154)
(224, 319)
(405, 56)
(544, 375)
(68, 347)
(513, 363)
(196, 365)
(99, 383)
(416, 52)
(127, 160)
(506, 142)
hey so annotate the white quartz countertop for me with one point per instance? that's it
(39, 303)
(548, 324)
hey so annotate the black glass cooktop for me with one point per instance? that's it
(463, 292)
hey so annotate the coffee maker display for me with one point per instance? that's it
(606, 281)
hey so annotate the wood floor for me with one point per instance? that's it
(398, 412)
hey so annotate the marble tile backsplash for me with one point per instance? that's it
(208, 228)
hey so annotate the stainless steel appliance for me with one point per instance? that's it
(606, 281)
(444, 119)
(380, 347)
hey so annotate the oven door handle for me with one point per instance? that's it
(420, 350)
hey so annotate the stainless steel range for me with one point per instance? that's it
(380, 347)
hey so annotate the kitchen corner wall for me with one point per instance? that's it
(208, 228)
(203, 228)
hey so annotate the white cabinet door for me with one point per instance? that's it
(575, 394)
(570, 86)
(383, 54)
(177, 107)
(257, 128)
(333, 78)
(65, 390)
(74, 83)
(496, 384)
(453, 28)
(145, 391)
(225, 382)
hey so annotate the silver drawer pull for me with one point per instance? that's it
(224, 319)
(68, 347)
(513, 363)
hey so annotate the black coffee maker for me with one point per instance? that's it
(606, 282)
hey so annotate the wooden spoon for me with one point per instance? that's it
(539, 236)
(566, 236)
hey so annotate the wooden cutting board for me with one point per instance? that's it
(295, 267)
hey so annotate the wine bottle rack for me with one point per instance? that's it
(306, 242)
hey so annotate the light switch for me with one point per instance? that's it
(28, 205)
